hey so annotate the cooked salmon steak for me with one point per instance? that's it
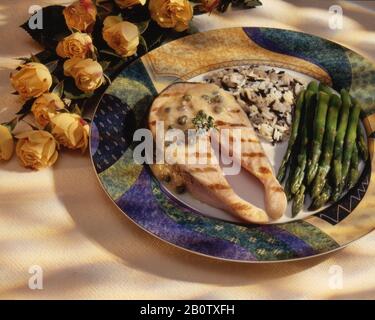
(179, 107)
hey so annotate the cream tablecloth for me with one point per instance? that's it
(61, 220)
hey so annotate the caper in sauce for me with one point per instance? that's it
(180, 189)
(182, 108)
(218, 109)
(182, 120)
(216, 99)
(167, 178)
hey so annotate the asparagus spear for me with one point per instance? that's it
(322, 198)
(340, 136)
(361, 143)
(328, 144)
(350, 138)
(287, 188)
(313, 86)
(288, 183)
(325, 89)
(308, 117)
(298, 200)
(336, 193)
(288, 192)
(293, 136)
(354, 172)
(318, 134)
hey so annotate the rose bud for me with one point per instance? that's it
(80, 15)
(77, 45)
(87, 73)
(32, 80)
(121, 36)
(171, 13)
(36, 149)
(45, 107)
(123, 4)
(70, 130)
(6, 143)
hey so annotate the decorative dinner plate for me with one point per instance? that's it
(185, 222)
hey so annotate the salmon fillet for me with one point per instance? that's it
(177, 106)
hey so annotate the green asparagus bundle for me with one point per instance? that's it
(325, 147)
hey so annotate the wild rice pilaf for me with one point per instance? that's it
(265, 94)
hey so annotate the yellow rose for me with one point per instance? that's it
(123, 4)
(77, 45)
(87, 73)
(36, 149)
(110, 21)
(6, 143)
(70, 130)
(171, 13)
(121, 36)
(45, 107)
(32, 80)
(80, 15)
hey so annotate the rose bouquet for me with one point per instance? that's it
(86, 44)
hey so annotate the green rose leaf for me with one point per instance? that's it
(51, 66)
(53, 26)
(199, 9)
(11, 124)
(105, 64)
(26, 108)
(76, 109)
(59, 89)
(142, 26)
(252, 3)
(244, 4)
(143, 43)
(74, 96)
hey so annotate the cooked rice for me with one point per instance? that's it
(266, 95)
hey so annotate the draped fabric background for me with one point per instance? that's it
(61, 220)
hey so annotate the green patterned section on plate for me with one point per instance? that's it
(317, 239)
(134, 88)
(263, 246)
(121, 175)
(363, 80)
